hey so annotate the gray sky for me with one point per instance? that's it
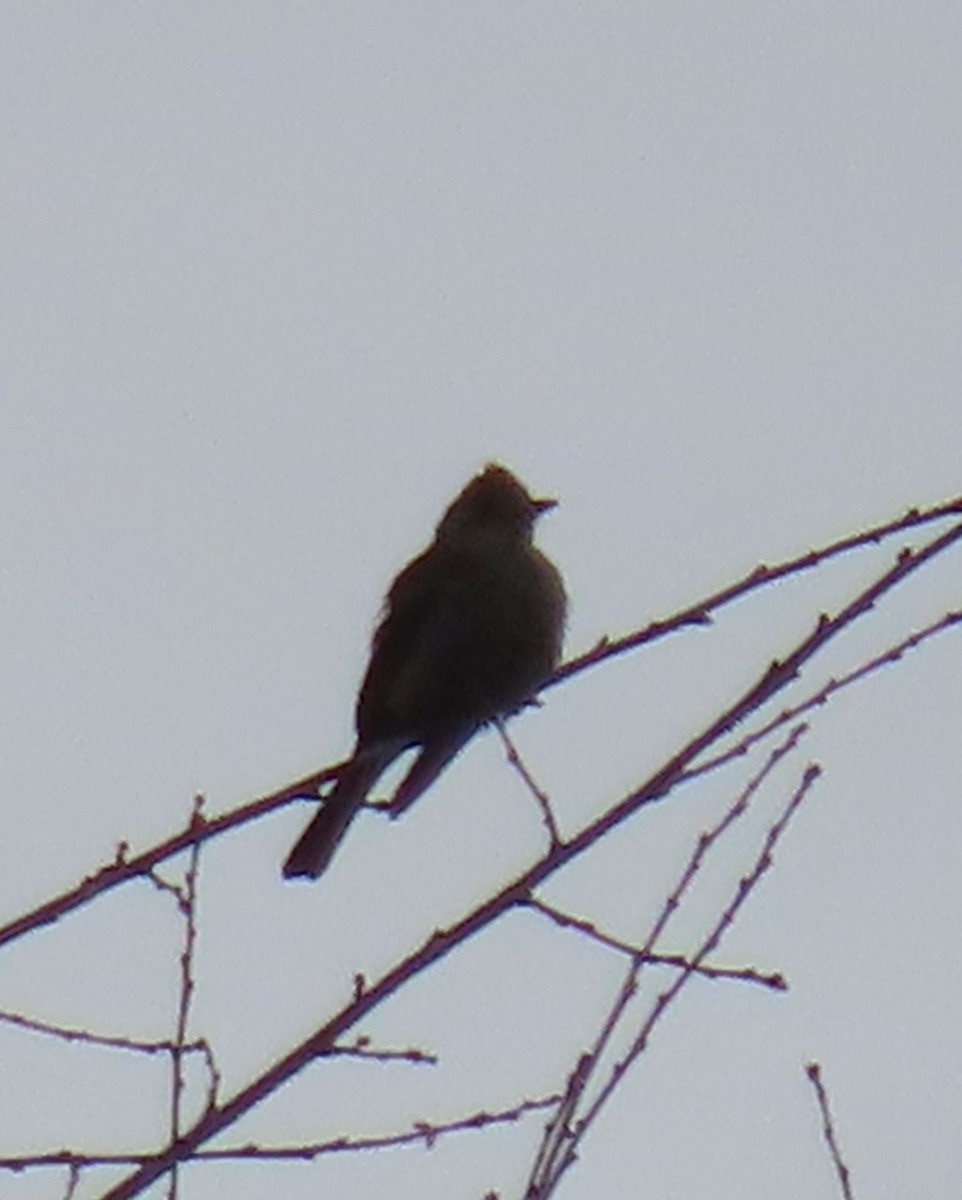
(277, 279)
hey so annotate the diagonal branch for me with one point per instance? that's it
(699, 613)
(440, 944)
(123, 869)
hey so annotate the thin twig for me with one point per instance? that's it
(814, 1073)
(824, 694)
(444, 941)
(187, 903)
(124, 868)
(114, 1042)
(770, 979)
(541, 1187)
(540, 795)
(557, 1151)
(700, 612)
(426, 1132)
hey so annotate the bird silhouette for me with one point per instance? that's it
(471, 629)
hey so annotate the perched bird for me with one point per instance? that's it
(471, 629)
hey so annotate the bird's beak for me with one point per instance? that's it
(543, 506)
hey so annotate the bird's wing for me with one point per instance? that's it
(415, 651)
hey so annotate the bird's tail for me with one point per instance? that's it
(315, 847)
(435, 755)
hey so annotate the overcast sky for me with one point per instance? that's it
(276, 280)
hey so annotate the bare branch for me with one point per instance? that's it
(774, 980)
(444, 941)
(814, 1073)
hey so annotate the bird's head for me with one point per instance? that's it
(494, 504)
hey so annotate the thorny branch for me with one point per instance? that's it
(520, 891)
(439, 945)
(125, 868)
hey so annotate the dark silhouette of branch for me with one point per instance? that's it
(426, 1132)
(701, 611)
(187, 907)
(441, 943)
(564, 1133)
(814, 1073)
(125, 868)
(825, 693)
(773, 980)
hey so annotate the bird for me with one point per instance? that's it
(470, 630)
